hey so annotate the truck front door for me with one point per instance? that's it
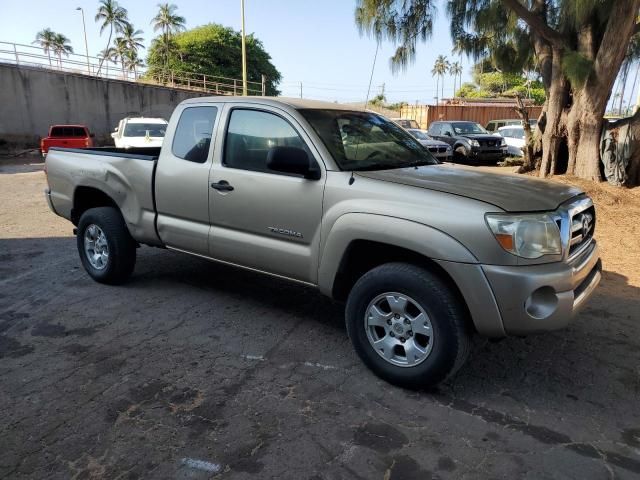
(262, 219)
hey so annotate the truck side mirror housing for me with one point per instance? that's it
(293, 160)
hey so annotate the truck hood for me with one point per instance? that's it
(487, 137)
(508, 192)
(433, 143)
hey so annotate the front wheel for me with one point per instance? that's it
(107, 250)
(407, 325)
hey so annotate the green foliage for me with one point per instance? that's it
(214, 50)
(378, 100)
(404, 23)
(576, 68)
(496, 84)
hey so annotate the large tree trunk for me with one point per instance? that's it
(554, 129)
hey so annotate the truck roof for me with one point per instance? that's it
(296, 103)
(145, 120)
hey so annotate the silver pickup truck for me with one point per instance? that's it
(424, 254)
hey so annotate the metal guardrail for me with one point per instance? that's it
(33, 56)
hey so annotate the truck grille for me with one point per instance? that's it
(488, 143)
(583, 224)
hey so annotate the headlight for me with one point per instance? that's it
(503, 142)
(526, 235)
(474, 143)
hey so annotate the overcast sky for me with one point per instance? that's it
(313, 42)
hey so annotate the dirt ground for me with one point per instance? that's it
(195, 370)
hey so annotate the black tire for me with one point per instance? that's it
(448, 316)
(460, 154)
(121, 246)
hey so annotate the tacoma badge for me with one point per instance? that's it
(285, 231)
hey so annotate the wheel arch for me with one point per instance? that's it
(85, 197)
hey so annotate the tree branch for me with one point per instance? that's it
(535, 23)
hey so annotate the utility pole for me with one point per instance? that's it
(244, 52)
(300, 89)
(86, 46)
(382, 88)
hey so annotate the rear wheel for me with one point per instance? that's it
(407, 325)
(107, 250)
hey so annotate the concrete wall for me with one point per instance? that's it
(32, 99)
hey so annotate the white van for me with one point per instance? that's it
(140, 132)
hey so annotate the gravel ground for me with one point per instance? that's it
(195, 370)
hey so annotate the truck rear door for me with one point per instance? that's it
(260, 218)
(182, 178)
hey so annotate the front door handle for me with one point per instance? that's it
(222, 186)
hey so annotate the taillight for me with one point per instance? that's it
(87, 142)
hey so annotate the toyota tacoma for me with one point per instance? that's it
(425, 255)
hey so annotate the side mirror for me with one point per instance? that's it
(447, 134)
(92, 135)
(292, 160)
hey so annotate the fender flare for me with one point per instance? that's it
(398, 232)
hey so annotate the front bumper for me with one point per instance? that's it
(544, 297)
(489, 155)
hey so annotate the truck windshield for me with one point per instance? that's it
(366, 141)
(141, 129)
(465, 128)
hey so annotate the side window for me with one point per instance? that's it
(446, 129)
(192, 138)
(250, 135)
(491, 127)
(435, 129)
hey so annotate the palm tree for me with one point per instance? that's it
(127, 45)
(456, 71)
(132, 37)
(169, 23)
(108, 55)
(45, 39)
(121, 49)
(113, 16)
(61, 47)
(133, 62)
(440, 68)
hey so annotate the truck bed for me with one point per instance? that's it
(125, 175)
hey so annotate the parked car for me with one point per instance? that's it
(471, 143)
(424, 254)
(70, 136)
(494, 125)
(406, 123)
(140, 132)
(441, 150)
(514, 137)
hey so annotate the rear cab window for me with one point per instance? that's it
(68, 132)
(192, 138)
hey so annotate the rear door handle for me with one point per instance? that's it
(222, 186)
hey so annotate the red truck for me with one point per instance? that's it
(69, 136)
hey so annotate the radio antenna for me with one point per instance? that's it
(373, 67)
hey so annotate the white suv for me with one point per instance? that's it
(140, 132)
